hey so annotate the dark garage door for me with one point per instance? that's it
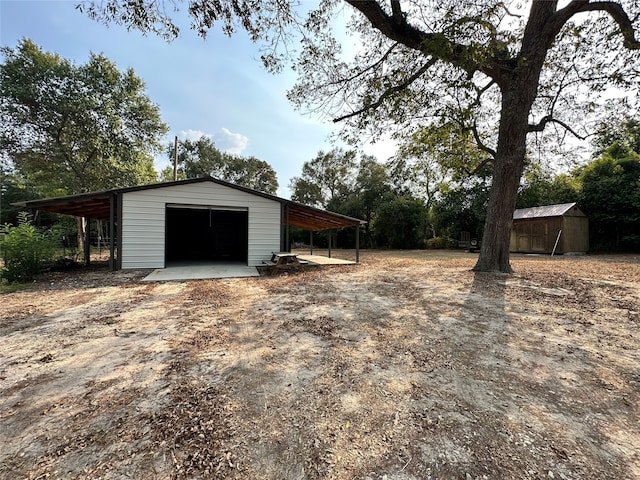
(204, 234)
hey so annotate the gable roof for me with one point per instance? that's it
(543, 212)
(97, 205)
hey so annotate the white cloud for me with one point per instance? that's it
(231, 142)
(225, 139)
(193, 134)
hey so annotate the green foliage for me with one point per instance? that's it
(626, 133)
(542, 188)
(461, 208)
(611, 197)
(202, 158)
(401, 223)
(75, 128)
(25, 250)
(326, 181)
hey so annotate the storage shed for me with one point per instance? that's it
(561, 228)
(203, 219)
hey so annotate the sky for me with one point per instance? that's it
(215, 87)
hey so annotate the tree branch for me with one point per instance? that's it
(396, 27)
(539, 127)
(479, 142)
(619, 15)
(365, 70)
(389, 92)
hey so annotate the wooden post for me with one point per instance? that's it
(556, 244)
(120, 220)
(311, 240)
(87, 241)
(288, 246)
(329, 232)
(112, 232)
(358, 243)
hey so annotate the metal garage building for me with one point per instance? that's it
(561, 228)
(203, 219)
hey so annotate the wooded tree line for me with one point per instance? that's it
(428, 201)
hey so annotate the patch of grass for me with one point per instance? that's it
(6, 287)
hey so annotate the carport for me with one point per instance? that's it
(201, 220)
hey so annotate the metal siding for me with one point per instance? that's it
(143, 220)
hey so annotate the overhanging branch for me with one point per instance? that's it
(620, 16)
(389, 92)
(540, 126)
(396, 27)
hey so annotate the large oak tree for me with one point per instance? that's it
(71, 128)
(501, 69)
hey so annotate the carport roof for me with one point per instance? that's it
(97, 205)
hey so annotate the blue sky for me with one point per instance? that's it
(216, 87)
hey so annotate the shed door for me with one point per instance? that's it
(531, 236)
(206, 234)
(538, 236)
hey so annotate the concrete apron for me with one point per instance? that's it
(200, 271)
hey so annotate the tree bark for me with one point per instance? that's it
(508, 167)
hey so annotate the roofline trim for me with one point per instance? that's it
(107, 193)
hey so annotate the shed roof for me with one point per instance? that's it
(544, 211)
(97, 205)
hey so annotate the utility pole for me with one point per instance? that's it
(175, 160)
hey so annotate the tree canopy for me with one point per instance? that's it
(326, 180)
(499, 70)
(610, 195)
(199, 158)
(75, 128)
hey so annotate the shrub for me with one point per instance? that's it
(24, 249)
(441, 242)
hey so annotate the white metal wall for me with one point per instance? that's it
(143, 220)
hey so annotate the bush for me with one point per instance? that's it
(25, 250)
(441, 243)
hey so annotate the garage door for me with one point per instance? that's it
(195, 233)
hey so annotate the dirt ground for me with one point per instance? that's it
(407, 366)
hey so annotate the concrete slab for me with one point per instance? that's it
(199, 271)
(322, 260)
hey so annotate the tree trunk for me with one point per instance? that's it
(80, 231)
(508, 167)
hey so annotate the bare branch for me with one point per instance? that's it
(511, 14)
(539, 127)
(369, 68)
(389, 92)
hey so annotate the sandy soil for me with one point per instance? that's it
(407, 366)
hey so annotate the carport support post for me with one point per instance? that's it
(358, 243)
(329, 232)
(311, 240)
(112, 232)
(287, 245)
(87, 244)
